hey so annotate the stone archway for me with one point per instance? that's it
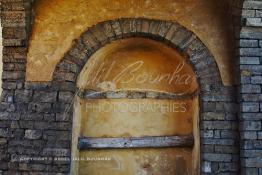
(217, 116)
(144, 78)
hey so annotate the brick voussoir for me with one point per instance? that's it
(108, 30)
(42, 112)
(125, 25)
(97, 32)
(117, 29)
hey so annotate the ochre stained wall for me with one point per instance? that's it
(138, 64)
(58, 22)
(122, 117)
(113, 123)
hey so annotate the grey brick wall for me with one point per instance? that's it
(250, 53)
(33, 121)
(219, 108)
(18, 136)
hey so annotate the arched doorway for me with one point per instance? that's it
(138, 107)
(214, 98)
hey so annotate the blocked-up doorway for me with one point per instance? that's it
(136, 112)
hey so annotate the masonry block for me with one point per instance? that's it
(33, 134)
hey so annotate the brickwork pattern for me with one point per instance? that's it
(250, 52)
(219, 109)
(16, 22)
(36, 118)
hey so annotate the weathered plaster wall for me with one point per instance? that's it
(138, 117)
(36, 117)
(58, 22)
(138, 63)
(116, 124)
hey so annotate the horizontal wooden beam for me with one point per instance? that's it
(135, 142)
(134, 94)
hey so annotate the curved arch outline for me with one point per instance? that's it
(168, 32)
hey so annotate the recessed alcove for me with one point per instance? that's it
(137, 88)
(136, 100)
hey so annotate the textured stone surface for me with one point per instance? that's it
(249, 60)
(44, 96)
(44, 126)
(56, 152)
(252, 4)
(33, 134)
(248, 43)
(250, 87)
(189, 14)
(219, 126)
(66, 97)
(251, 33)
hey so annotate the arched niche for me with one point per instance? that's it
(137, 87)
(169, 33)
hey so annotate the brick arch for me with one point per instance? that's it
(219, 135)
(170, 33)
